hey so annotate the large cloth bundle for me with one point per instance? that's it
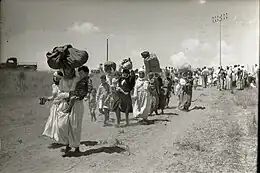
(152, 64)
(108, 65)
(126, 64)
(66, 56)
(185, 68)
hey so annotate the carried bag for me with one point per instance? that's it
(126, 64)
(152, 64)
(108, 65)
(66, 56)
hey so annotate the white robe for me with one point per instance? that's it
(65, 128)
(142, 103)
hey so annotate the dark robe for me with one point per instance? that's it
(124, 102)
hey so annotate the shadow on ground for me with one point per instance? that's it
(171, 107)
(109, 150)
(130, 119)
(86, 143)
(55, 146)
(198, 108)
(148, 122)
(171, 113)
(89, 143)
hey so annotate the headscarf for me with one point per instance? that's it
(141, 70)
(69, 76)
(145, 54)
(57, 74)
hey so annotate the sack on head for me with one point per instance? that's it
(126, 64)
(66, 56)
(109, 65)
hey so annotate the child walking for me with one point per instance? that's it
(102, 94)
(93, 104)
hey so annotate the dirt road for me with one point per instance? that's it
(168, 144)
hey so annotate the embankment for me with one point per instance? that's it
(17, 83)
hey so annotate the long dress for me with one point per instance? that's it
(200, 82)
(168, 87)
(196, 80)
(204, 75)
(154, 95)
(66, 127)
(102, 94)
(221, 80)
(50, 129)
(113, 100)
(162, 94)
(185, 94)
(229, 80)
(92, 104)
(142, 103)
(122, 101)
(233, 78)
(239, 80)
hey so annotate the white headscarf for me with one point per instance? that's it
(55, 74)
(141, 70)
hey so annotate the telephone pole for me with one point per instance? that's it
(218, 19)
(107, 49)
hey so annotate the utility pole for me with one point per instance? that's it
(218, 19)
(107, 49)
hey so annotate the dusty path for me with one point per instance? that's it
(147, 146)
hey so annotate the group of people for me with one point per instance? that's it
(124, 91)
(227, 78)
(236, 76)
(140, 92)
(134, 92)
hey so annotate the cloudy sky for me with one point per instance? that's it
(178, 31)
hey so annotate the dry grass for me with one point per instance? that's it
(246, 98)
(220, 143)
(215, 146)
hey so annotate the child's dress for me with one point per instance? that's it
(92, 104)
(51, 125)
(102, 94)
(112, 97)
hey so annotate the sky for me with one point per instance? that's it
(178, 31)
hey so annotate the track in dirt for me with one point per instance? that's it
(136, 148)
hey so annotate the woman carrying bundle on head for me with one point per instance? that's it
(123, 102)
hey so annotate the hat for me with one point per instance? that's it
(145, 54)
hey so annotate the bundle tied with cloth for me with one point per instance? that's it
(66, 56)
(109, 66)
(151, 62)
(126, 64)
(185, 68)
